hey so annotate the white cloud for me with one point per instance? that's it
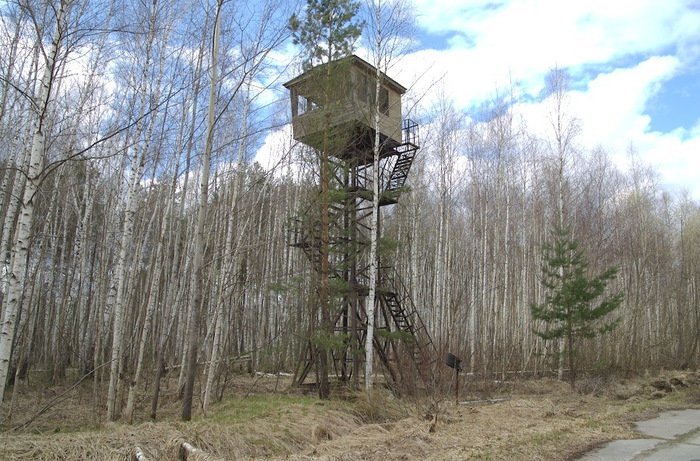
(638, 45)
(273, 147)
(612, 107)
(613, 115)
(611, 112)
(568, 31)
(674, 156)
(520, 40)
(279, 153)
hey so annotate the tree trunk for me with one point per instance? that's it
(198, 258)
(26, 218)
(148, 317)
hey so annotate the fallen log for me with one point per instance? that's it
(483, 402)
(138, 455)
(187, 450)
(191, 453)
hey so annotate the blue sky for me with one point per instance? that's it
(677, 102)
(634, 67)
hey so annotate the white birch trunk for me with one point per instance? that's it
(26, 218)
(216, 325)
(198, 282)
(439, 309)
(150, 308)
(475, 282)
(8, 175)
(153, 291)
(228, 266)
(374, 220)
(184, 314)
(506, 319)
(13, 208)
(81, 244)
(9, 68)
(118, 287)
(137, 166)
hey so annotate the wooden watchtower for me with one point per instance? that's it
(340, 96)
(333, 108)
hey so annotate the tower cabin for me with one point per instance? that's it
(333, 109)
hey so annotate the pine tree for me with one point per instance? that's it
(328, 32)
(575, 307)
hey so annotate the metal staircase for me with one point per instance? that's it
(401, 332)
(396, 299)
(406, 153)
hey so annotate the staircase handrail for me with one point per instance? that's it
(390, 276)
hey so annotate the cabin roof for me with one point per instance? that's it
(357, 62)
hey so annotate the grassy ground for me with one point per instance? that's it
(533, 419)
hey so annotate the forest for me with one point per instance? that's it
(141, 238)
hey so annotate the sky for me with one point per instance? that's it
(633, 67)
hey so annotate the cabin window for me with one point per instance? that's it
(301, 104)
(384, 101)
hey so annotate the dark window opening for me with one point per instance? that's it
(384, 101)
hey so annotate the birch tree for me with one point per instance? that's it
(147, 91)
(387, 22)
(197, 270)
(256, 38)
(227, 269)
(41, 104)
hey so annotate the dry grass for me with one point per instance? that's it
(534, 419)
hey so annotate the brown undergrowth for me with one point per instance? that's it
(536, 419)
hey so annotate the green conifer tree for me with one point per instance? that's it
(326, 33)
(574, 307)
